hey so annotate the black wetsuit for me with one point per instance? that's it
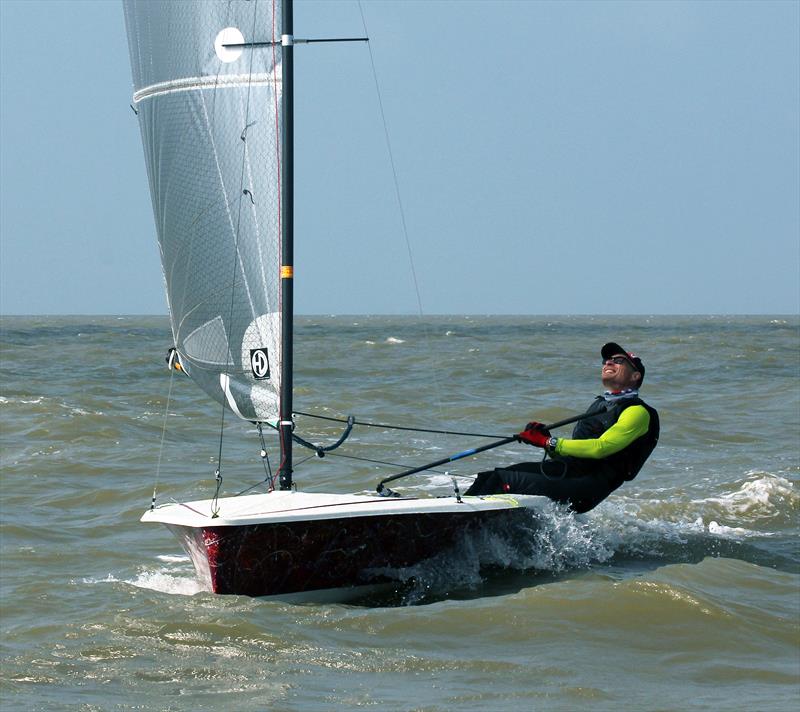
(580, 482)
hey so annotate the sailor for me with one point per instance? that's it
(607, 448)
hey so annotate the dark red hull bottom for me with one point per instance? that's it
(273, 559)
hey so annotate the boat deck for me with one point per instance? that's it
(291, 506)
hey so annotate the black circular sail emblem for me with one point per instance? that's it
(259, 363)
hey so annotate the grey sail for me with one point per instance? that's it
(209, 119)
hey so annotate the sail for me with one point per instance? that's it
(209, 119)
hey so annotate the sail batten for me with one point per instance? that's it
(209, 114)
(212, 83)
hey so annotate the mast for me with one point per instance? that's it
(287, 243)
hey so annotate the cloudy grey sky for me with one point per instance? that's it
(552, 158)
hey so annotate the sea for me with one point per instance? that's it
(680, 592)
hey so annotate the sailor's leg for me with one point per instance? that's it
(498, 480)
(488, 482)
(581, 493)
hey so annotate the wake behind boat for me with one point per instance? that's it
(213, 92)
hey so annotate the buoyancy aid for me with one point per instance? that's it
(626, 463)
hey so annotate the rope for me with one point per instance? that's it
(401, 427)
(322, 450)
(555, 461)
(319, 449)
(384, 462)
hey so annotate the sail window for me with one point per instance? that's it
(228, 36)
(208, 344)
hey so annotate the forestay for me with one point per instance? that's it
(209, 121)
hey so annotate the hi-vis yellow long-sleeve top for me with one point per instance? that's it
(633, 422)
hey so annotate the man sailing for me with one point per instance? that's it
(607, 448)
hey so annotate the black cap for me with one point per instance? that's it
(612, 349)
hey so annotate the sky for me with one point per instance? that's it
(551, 158)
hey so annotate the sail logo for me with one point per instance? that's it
(259, 363)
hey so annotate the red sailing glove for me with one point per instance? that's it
(535, 434)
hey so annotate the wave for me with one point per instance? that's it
(36, 401)
(176, 578)
(51, 403)
(764, 495)
(167, 581)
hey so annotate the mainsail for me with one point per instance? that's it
(209, 116)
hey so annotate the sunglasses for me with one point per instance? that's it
(619, 360)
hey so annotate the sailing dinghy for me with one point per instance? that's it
(213, 92)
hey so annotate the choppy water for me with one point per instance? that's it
(680, 592)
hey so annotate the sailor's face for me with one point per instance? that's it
(618, 373)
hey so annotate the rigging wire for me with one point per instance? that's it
(401, 209)
(265, 459)
(392, 163)
(268, 476)
(163, 436)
